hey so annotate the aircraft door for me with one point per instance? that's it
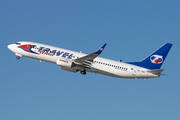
(134, 71)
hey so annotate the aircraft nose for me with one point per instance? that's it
(10, 46)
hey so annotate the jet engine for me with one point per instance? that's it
(65, 62)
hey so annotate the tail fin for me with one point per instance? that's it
(156, 59)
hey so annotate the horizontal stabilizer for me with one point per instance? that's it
(156, 71)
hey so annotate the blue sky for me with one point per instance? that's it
(132, 30)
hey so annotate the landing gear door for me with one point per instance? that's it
(134, 71)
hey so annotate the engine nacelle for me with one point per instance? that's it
(65, 62)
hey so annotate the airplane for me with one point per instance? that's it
(72, 61)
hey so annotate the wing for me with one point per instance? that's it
(88, 59)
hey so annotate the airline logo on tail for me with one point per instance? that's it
(156, 59)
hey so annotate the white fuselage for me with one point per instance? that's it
(99, 65)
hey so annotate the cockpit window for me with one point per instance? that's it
(18, 43)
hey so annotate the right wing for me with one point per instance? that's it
(88, 59)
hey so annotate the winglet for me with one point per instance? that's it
(101, 49)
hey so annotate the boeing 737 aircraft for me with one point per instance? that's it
(76, 61)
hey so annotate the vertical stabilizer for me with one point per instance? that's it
(156, 59)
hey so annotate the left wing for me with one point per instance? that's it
(88, 59)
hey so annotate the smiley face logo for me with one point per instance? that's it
(156, 59)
